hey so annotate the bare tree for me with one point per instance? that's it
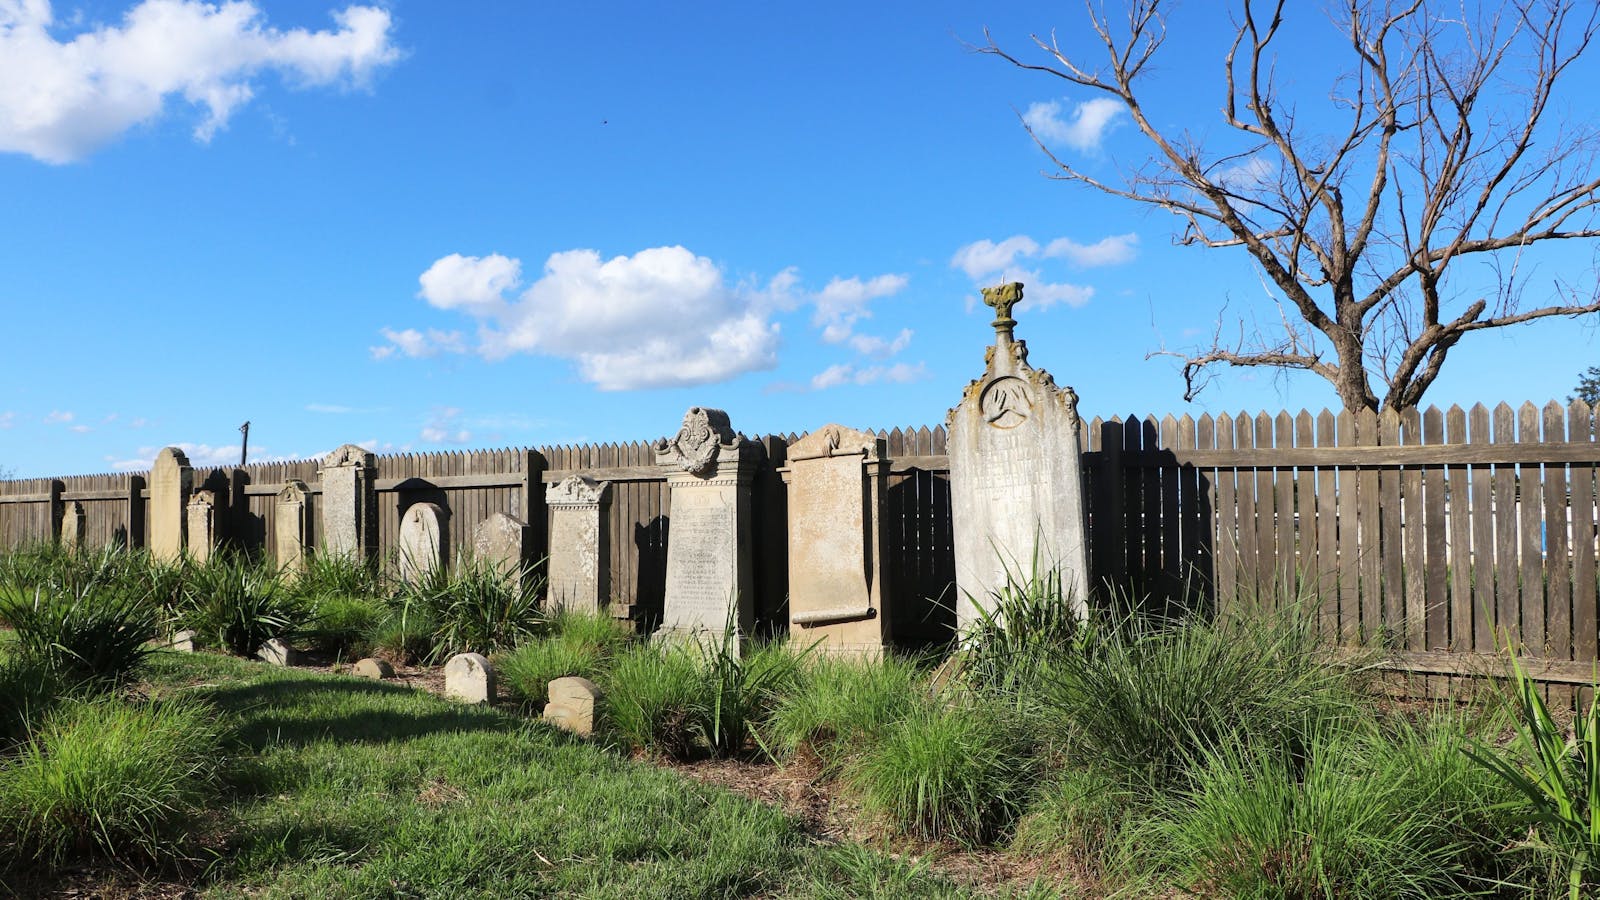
(1446, 147)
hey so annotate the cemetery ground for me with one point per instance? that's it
(1181, 754)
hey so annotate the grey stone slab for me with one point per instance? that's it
(470, 678)
(349, 503)
(709, 580)
(837, 480)
(171, 482)
(200, 525)
(289, 527)
(373, 668)
(422, 541)
(500, 542)
(1016, 478)
(580, 553)
(72, 525)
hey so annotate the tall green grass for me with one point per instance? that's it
(239, 604)
(475, 609)
(119, 777)
(837, 706)
(578, 644)
(81, 617)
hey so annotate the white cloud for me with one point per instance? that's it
(877, 347)
(662, 317)
(200, 456)
(330, 408)
(60, 100)
(417, 344)
(8, 419)
(1085, 129)
(441, 427)
(1040, 294)
(844, 301)
(58, 417)
(1108, 251)
(984, 257)
(1245, 175)
(80, 429)
(845, 373)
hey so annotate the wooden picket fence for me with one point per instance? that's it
(1437, 534)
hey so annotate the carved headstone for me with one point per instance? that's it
(422, 541)
(201, 525)
(709, 575)
(72, 520)
(171, 482)
(349, 503)
(837, 481)
(1016, 482)
(289, 528)
(470, 678)
(580, 552)
(500, 542)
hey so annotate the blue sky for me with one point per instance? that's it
(431, 226)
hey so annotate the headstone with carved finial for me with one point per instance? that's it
(1016, 474)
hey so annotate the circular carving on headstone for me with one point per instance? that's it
(1006, 402)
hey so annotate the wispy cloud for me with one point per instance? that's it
(58, 417)
(442, 427)
(846, 373)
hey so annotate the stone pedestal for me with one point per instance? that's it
(709, 577)
(580, 551)
(171, 482)
(500, 543)
(422, 541)
(349, 503)
(72, 523)
(289, 528)
(1016, 482)
(837, 480)
(201, 525)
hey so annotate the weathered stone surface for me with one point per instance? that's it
(580, 552)
(72, 524)
(181, 641)
(422, 541)
(349, 503)
(469, 677)
(201, 525)
(837, 481)
(289, 528)
(1016, 480)
(501, 543)
(278, 653)
(709, 575)
(171, 482)
(373, 668)
(572, 704)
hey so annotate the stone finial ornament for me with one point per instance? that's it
(577, 489)
(1002, 298)
(694, 448)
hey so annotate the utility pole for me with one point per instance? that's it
(244, 445)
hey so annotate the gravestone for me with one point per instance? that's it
(709, 577)
(500, 542)
(1016, 482)
(171, 482)
(182, 641)
(349, 503)
(422, 541)
(277, 652)
(373, 668)
(580, 552)
(571, 704)
(470, 678)
(72, 523)
(289, 528)
(201, 525)
(837, 479)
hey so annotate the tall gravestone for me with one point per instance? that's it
(1016, 481)
(580, 552)
(501, 543)
(837, 478)
(200, 525)
(289, 527)
(709, 577)
(422, 541)
(349, 503)
(72, 522)
(171, 482)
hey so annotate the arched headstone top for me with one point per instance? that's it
(171, 458)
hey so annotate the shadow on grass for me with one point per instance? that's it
(306, 710)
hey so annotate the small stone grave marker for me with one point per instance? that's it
(469, 677)
(278, 653)
(373, 668)
(571, 705)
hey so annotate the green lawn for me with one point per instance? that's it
(340, 787)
